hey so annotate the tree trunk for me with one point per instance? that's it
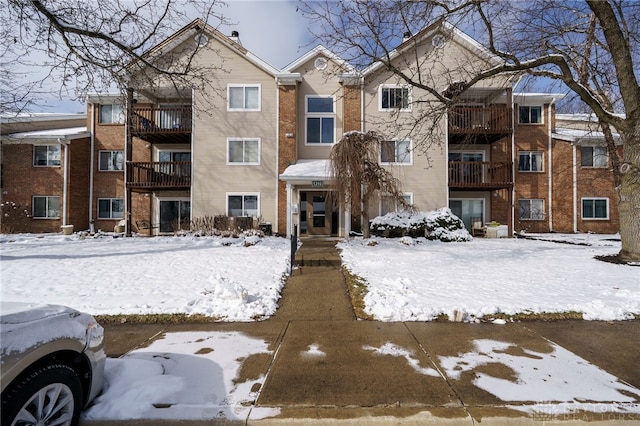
(629, 197)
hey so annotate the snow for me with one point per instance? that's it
(423, 279)
(183, 376)
(232, 279)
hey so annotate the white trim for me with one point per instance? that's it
(110, 208)
(244, 163)
(409, 88)
(397, 163)
(244, 86)
(582, 200)
(33, 206)
(243, 194)
(531, 152)
(530, 209)
(319, 115)
(110, 151)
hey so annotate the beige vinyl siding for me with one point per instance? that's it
(317, 83)
(213, 125)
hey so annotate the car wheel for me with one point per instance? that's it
(51, 395)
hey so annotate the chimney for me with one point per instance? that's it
(406, 36)
(235, 36)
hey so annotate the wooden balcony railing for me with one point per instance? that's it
(161, 120)
(493, 119)
(477, 174)
(159, 175)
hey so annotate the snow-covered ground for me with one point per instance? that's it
(238, 279)
(415, 279)
(241, 280)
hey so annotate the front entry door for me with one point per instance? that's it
(318, 213)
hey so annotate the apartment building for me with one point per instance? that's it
(254, 143)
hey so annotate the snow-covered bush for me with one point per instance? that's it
(440, 224)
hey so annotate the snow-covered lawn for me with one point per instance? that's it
(241, 279)
(233, 279)
(415, 279)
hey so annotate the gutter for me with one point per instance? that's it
(575, 187)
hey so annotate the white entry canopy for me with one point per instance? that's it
(305, 171)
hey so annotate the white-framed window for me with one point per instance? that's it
(46, 155)
(396, 152)
(247, 204)
(110, 208)
(243, 97)
(594, 156)
(46, 207)
(320, 119)
(394, 97)
(390, 204)
(111, 161)
(530, 161)
(530, 114)
(111, 114)
(531, 209)
(243, 151)
(595, 208)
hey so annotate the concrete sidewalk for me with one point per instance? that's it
(370, 372)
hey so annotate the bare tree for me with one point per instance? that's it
(590, 48)
(357, 176)
(75, 47)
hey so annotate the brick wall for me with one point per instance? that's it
(286, 147)
(532, 185)
(352, 108)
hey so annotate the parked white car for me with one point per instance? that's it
(52, 360)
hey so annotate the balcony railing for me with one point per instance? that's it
(493, 119)
(161, 119)
(159, 175)
(479, 174)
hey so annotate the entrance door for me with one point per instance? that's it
(174, 215)
(318, 213)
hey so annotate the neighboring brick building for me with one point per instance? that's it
(260, 151)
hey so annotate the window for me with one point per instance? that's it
(243, 97)
(111, 161)
(111, 114)
(46, 155)
(46, 207)
(389, 204)
(530, 161)
(530, 115)
(394, 98)
(531, 209)
(595, 208)
(243, 151)
(320, 120)
(593, 156)
(177, 163)
(242, 205)
(395, 152)
(110, 208)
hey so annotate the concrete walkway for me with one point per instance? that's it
(354, 382)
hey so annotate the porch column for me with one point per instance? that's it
(289, 215)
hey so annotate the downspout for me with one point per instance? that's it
(550, 177)
(288, 207)
(65, 181)
(192, 180)
(513, 155)
(575, 188)
(92, 160)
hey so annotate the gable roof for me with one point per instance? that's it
(195, 28)
(320, 49)
(449, 30)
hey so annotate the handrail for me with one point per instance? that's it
(491, 119)
(159, 174)
(161, 119)
(479, 174)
